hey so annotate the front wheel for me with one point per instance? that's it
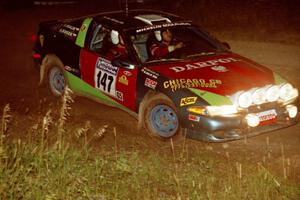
(160, 117)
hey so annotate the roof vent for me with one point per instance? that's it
(153, 19)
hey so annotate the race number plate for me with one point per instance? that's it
(105, 76)
(267, 116)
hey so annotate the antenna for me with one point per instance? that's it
(126, 7)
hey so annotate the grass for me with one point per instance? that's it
(41, 169)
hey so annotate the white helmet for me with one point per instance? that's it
(158, 35)
(114, 35)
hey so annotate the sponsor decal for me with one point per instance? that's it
(219, 68)
(267, 116)
(119, 95)
(127, 73)
(188, 101)
(123, 79)
(150, 73)
(194, 118)
(73, 28)
(105, 76)
(158, 26)
(106, 66)
(199, 65)
(83, 27)
(67, 33)
(190, 83)
(150, 83)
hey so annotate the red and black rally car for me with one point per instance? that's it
(201, 86)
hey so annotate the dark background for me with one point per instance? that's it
(251, 19)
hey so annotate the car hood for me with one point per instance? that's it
(222, 74)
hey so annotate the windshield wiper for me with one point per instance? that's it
(201, 54)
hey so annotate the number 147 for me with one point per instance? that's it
(104, 80)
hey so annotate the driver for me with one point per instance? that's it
(164, 44)
(118, 50)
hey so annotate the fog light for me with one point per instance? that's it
(252, 120)
(292, 110)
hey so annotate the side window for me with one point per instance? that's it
(100, 39)
(140, 45)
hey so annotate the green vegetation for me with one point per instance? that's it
(61, 169)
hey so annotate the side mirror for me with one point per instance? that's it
(226, 45)
(122, 64)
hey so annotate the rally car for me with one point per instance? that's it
(202, 90)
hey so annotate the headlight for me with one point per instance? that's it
(287, 92)
(214, 110)
(221, 110)
(272, 93)
(259, 96)
(245, 100)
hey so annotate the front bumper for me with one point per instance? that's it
(221, 129)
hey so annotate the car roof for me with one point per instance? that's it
(133, 19)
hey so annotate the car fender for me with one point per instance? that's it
(48, 61)
(146, 89)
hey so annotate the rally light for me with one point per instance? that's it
(259, 96)
(214, 110)
(252, 120)
(272, 93)
(288, 92)
(292, 111)
(245, 99)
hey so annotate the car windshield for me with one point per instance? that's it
(186, 42)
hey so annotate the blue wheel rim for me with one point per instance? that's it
(164, 120)
(57, 80)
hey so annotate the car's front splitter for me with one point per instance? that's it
(236, 134)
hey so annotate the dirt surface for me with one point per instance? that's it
(29, 103)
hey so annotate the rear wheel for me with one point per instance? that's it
(56, 80)
(160, 117)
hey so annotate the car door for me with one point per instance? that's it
(116, 82)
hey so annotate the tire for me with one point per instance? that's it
(52, 75)
(56, 81)
(160, 118)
